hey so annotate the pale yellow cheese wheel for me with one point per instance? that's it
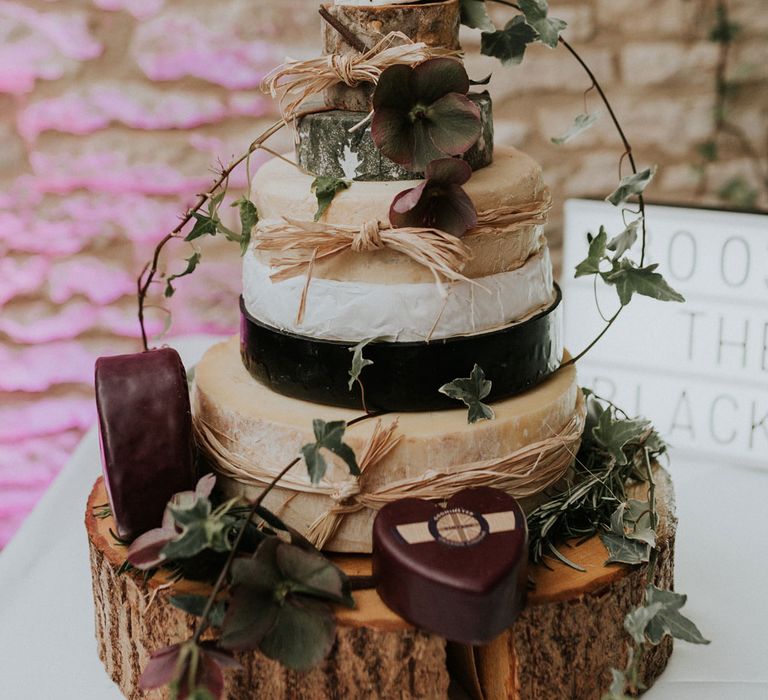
(268, 430)
(282, 190)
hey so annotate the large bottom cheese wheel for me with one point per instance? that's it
(562, 647)
(260, 431)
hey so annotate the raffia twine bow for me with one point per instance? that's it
(523, 473)
(306, 242)
(294, 82)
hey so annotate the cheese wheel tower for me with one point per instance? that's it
(253, 413)
(325, 288)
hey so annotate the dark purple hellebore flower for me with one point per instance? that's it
(423, 113)
(438, 202)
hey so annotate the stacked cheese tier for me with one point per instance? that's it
(255, 403)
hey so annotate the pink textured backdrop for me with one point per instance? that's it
(112, 113)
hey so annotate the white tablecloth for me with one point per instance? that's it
(47, 647)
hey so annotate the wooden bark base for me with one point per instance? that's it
(562, 647)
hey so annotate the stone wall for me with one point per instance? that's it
(112, 113)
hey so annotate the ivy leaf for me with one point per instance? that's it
(624, 551)
(625, 240)
(635, 521)
(195, 605)
(581, 123)
(328, 436)
(474, 14)
(613, 434)
(535, 12)
(636, 621)
(591, 264)
(192, 263)
(630, 279)
(325, 189)
(630, 186)
(508, 44)
(359, 363)
(471, 391)
(669, 620)
(201, 530)
(204, 226)
(249, 217)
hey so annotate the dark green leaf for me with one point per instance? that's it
(637, 521)
(204, 226)
(471, 391)
(625, 240)
(668, 620)
(591, 264)
(535, 12)
(624, 551)
(474, 13)
(251, 615)
(630, 279)
(581, 123)
(359, 363)
(192, 263)
(325, 189)
(636, 621)
(302, 635)
(508, 44)
(613, 434)
(195, 605)
(630, 186)
(328, 436)
(249, 217)
(316, 464)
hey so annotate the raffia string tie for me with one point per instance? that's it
(295, 82)
(523, 473)
(368, 238)
(303, 243)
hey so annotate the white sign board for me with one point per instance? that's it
(698, 370)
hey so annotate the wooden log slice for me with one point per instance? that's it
(562, 647)
(434, 23)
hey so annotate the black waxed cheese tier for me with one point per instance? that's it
(327, 146)
(404, 376)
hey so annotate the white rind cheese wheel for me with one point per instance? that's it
(267, 430)
(280, 189)
(355, 311)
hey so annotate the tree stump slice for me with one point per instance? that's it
(435, 23)
(562, 647)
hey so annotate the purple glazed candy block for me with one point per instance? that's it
(459, 571)
(145, 431)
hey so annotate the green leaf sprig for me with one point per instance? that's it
(622, 273)
(612, 453)
(471, 391)
(328, 436)
(325, 189)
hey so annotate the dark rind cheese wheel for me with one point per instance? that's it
(403, 376)
(145, 430)
(459, 571)
(327, 147)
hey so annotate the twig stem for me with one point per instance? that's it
(355, 42)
